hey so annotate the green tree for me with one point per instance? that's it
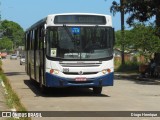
(126, 39)
(141, 38)
(6, 44)
(144, 39)
(13, 31)
(141, 10)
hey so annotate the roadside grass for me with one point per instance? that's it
(12, 99)
(128, 67)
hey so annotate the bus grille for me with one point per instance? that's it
(80, 64)
(79, 82)
(76, 73)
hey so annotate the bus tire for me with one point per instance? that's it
(43, 88)
(30, 72)
(97, 90)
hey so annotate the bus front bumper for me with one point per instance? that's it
(56, 81)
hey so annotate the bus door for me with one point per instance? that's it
(41, 56)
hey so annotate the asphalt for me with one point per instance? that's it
(118, 75)
(136, 77)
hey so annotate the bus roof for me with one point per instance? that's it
(78, 14)
(49, 19)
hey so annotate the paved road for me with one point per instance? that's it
(125, 95)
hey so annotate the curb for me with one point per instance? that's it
(135, 77)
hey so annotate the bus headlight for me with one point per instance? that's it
(53, 71)
(105, 71)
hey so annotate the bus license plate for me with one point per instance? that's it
(80, 79)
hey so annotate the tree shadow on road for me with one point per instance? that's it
(14, 73)
(62, 92)
(139, 80)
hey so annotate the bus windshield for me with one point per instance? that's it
(68, 42)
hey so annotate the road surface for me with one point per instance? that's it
(125, 95)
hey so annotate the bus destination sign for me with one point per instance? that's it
(80, 19)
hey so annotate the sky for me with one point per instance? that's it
(27, 12)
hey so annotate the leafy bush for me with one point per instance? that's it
(128, 67)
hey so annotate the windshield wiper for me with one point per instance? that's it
(73, 39)
(68, 32)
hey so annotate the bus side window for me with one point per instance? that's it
(41, 38)
(36, 40)
(30, 41)
(33, 39)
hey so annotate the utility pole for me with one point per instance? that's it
(0, 11)
(0, 15)
(122, 29)
(1, 31)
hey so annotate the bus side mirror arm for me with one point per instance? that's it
(45, 29)
(44, 36)
(44, 43)
(113, 37)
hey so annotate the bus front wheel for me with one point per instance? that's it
(97, 90)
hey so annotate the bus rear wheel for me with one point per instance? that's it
(43, 89)
(97, 90)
